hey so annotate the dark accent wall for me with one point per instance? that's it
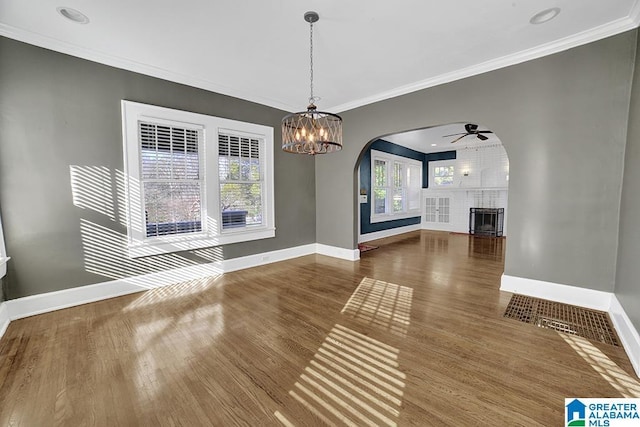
(627, 287)
(366, 226)
(58, 111)
(432, 157)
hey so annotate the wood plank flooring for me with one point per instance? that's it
(412, 334)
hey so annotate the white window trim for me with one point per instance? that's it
(390, 159)
(442, 163)
(212, 234)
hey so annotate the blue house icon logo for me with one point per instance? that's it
(576, 413)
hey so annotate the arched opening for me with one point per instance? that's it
(451, 177)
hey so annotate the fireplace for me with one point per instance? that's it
(486, 221)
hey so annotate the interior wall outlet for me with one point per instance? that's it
(363, 198)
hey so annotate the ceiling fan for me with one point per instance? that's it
(471, 130)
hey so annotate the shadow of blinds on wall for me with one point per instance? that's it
(3, 253)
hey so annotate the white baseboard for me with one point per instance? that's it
(434, 226)
(588, 298)
(627, 333)
(4, 318)
(51, 301)
(388, 233)
(249, 261)
(336, 252)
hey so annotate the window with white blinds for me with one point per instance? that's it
(396, 184)
(172, 184)
(195, 181)
(240, 181)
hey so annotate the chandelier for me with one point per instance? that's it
(312, 131)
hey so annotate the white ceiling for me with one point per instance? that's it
(364, 51)
(433, 139)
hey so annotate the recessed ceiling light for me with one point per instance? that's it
(434, 145)
(545, 16)
(73, 15)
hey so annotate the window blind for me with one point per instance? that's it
(241, 181)
(171, 179)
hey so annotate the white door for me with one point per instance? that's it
(437, 211)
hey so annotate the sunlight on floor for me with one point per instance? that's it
(381, 304)
(172, 292)
(352, 380)
(152, 339)
(627, 385)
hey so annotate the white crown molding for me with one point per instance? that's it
(606, 30)
(634, 13)
(137, 67)
(610, 29)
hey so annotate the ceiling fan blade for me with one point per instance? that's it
(484, 131)
(481, 137)
(454, 134)
(459, 138)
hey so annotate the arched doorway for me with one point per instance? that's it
(437, 178)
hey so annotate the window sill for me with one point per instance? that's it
(159, 247)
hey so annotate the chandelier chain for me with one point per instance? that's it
(311, 98)
(311, 132)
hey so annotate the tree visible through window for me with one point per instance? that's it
(443, 175)
(170, 178)
(195, 181)
(240, 181)
(398, 187)
(379, 186)
(396, 184)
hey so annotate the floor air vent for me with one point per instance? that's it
(590, 324)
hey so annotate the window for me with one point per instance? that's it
(443, 175)
(171, 179)
(396, 185)
(195, 181)
(240, 181)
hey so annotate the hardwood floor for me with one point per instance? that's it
(412, 334)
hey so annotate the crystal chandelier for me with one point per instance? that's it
(312, 131)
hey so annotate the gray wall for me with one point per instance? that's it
(628, 270)
(57, 111)
(563, 122)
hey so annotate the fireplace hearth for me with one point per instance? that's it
(486, 221)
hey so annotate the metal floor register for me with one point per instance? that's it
(590, 324)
